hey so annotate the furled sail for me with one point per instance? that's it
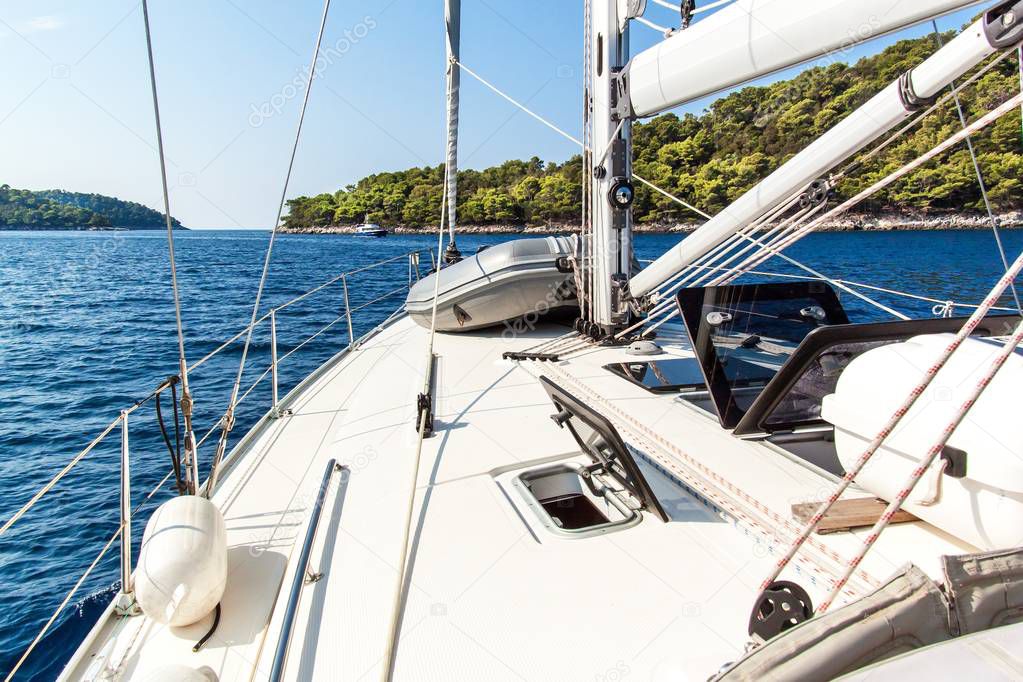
(453, 24)
(753, 38)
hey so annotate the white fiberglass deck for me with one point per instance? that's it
(494, 595)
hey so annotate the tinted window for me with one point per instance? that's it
(742, 335)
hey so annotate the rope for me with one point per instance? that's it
(782, 256)
(1019, 53)
(582, 268)
(191, 459)
(174, 449)
(396, 611)
(971, 324)
(228, 423)
(707, 483)
(510, 99)
(859, 162)
(698, 10)
(63, 605)
(980, 176)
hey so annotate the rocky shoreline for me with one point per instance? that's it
(849, 223)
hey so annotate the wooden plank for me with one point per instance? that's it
(848, 514)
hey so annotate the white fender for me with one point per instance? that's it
(182, 568)
(984, 507)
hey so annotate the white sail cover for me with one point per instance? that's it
(753, 38)
(453, 23)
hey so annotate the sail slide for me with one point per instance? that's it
(753, 38)
(880, 114)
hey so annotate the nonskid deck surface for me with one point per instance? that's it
(493, 594)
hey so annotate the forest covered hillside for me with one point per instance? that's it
(60, 210)
(712, 159)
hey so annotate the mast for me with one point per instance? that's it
(611, 191)
(453, 25)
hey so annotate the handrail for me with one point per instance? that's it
(301, 568)
(301, 297)
(80, 456)
(164, 385)
(127, 513)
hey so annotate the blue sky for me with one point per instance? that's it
(75, 109)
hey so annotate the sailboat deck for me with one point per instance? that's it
(493, 593)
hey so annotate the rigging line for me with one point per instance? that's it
(879, 439)
(733, 245)
(610, 143)
(507, 97)
(698, 10)
(857, 163)
(63, 605)
(396, 610)
(770, 236)
(452, 19)
(229, 416)
(586, 229)
(729, 244)
(713, 5)
(572, 138)
(801, 266)
(663, 30)
(955, 139)
(771, 250)
(673, 197)
(74, 590)
(980, 176)
(191, 458)
(861, 285)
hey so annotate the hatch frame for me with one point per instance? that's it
(618, 463)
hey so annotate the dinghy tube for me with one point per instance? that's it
(524, 279)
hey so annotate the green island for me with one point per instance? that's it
(54, 209)
(712, 159)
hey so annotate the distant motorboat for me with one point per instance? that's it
(370, 230)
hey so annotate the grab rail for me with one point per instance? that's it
(301, 572)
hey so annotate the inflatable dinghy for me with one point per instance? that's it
(521, 280)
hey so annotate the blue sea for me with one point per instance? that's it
(87, 328)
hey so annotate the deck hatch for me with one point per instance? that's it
(673, 375)
(576, 500)
(599, 439)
